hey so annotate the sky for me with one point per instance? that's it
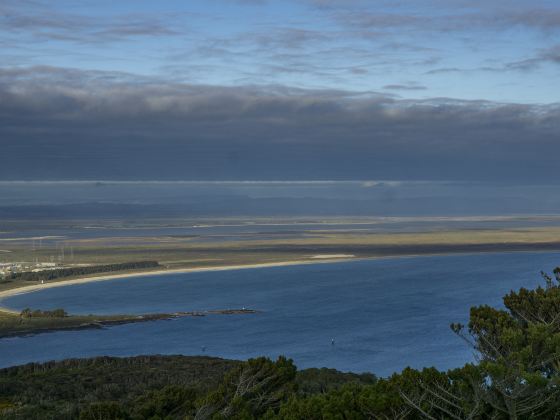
(417, 90)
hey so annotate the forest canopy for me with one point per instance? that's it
(58, 273)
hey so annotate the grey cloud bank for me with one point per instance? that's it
(59, 123)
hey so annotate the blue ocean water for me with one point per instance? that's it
(383, 315)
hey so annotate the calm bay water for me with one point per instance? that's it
(384, 315)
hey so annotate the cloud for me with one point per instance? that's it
(408, 86)
(318, 43)
(58, 123)
(251, 2)
(47, 23)
(548, 55)
(438, 16)
(445, 70)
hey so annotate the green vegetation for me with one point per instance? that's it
(517, 376)
(37, 313)
(47, 275)
(72, 389)
(37, 321)
(156, 387)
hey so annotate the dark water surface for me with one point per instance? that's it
(384, 315)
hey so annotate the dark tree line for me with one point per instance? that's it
(37, 313)
(47, 275)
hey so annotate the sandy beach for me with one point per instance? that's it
(310, 259)
(36, 287)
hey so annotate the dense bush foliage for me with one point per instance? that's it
(37, 313)
(517, 377)
(61, 390)
(47, 275)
